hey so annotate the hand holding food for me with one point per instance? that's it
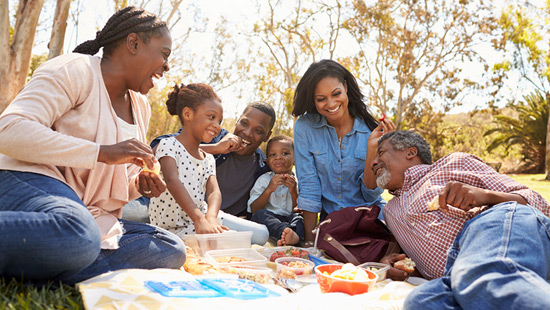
(434, 204)
(155, 169)
(405, 264)
(394, 273)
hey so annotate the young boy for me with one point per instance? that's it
(273, 198)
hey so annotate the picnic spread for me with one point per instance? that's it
(245, 278)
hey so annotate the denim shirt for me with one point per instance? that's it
(220, 158)
(330, 176)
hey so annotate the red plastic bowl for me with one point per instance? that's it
(330, 284)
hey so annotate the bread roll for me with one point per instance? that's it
(434, 204)
(405, 264)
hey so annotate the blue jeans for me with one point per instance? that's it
(136, 210)
(277, 223)
(260, 234)
(46, 232)
(500, 260)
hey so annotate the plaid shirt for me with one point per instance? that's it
(427, 236)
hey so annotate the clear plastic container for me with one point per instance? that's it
(261, 275)
(202, 243)
(378, 268)
(293, 267)
(221, 259)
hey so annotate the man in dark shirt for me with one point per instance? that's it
(239, 161)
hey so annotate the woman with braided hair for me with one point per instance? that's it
(62, 191)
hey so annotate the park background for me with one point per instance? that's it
(468, 75)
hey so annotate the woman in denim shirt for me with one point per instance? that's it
(332, 137)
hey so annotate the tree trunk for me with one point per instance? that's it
(16, 55)
(547, 154)
(58, 28)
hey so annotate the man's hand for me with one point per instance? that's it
(394, 273)
(462, 196)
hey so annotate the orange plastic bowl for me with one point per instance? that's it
(330, 284)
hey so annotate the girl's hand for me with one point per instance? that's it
(385, 126)
(216, 225)
(203, 226)
(230, 143)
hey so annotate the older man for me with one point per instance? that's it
(488, 245)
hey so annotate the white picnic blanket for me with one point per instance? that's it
(124, 289)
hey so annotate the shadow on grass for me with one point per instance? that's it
(17, 294)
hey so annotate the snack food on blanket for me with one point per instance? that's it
(350, 272)
(292, 252)
(405, 264)
(196, 265)
(156, 167)
(434, 204)
(228, 259)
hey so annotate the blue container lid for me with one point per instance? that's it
(190, 289)
(239, 288)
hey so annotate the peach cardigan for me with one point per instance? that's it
(55, 126)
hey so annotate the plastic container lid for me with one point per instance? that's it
(190, 289)
(379, 269)
(202, 243)
(212, 287)
(249, 256)
(239, 288)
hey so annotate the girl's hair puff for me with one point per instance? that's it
(305, 91)
(191, 96)
(124, 22)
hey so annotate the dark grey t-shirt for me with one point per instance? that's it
(236, 178)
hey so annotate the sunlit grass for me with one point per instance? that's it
(17, 295)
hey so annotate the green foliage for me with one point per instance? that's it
(528, 131)
(36, 61)
(17, 295)
(413, 51)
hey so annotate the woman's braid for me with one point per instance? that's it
(119, 26)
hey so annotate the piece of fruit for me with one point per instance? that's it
(383, 117)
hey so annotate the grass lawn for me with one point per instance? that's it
(15, 295)
(18, 296)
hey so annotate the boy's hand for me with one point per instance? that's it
(290, 182)
(276, 180)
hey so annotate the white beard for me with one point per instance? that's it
(383, 178)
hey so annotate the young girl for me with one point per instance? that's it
(189, 172)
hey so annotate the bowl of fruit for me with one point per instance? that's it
(345, 278)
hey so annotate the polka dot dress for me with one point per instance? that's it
(164, 211)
